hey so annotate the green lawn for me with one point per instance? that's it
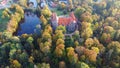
(59, 12)
(3, 22)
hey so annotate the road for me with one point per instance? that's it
(4, 6)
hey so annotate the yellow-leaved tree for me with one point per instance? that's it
(23, 3)
(43, 20)
(16, 64)
(46, 12)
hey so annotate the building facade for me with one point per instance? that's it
(70, 22)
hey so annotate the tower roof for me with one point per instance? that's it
(67, 20)
(64, 20)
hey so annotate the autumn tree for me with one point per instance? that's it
(86, 30)
(90, 55)
(63, 28)
(5, 36)
(105, 38)
(59, 38)
(23, 3)
(86, 17)
(16, 64)
(96, 49)
(70, 4)
(76, 43)
(89, 42)
(19, 9)
(46, 40)
(58, 34)
(46, 12)
(48, 28)
(60, 50)
(79, 50)
(31, 58)
(43, 20)
(113, 51)
(81, 65)
(62, 64)
(46, 36)
(6, 13)
(109, 30)
(60, 41)
(87, 33)
(85, 25)
(16, 16)
(117, 35)
(45, 47)
(62, 6)
(72, 56)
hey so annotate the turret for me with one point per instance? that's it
(54, 20)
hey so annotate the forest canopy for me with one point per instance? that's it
(95, 43)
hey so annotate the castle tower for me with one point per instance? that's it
(54, 20)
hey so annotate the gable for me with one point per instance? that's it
(64, 20)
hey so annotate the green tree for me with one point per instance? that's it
(82, 65)
(113, 52)
(117, 35)
(79, 11)
(61, 28)
(43, 65)
(23, 57)
(76, 35)
(30, 39)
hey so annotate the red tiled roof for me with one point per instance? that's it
(66, 20)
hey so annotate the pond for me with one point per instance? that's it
(30, 25)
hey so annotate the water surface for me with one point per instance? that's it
(28, 26)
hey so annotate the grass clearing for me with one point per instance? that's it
(59, 12)
(3, 22)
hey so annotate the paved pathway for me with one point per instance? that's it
(4, 6)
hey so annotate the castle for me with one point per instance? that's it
(70, 22)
